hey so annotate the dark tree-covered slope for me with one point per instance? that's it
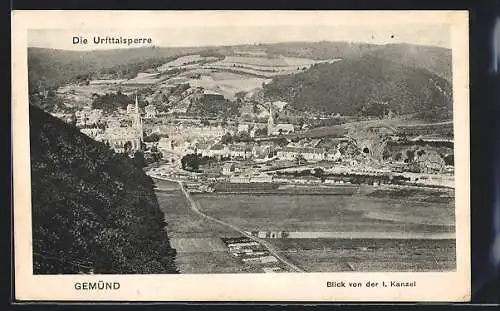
(348, 85)
(435, 59)
(92, 209)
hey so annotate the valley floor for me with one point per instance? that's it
(382, 232)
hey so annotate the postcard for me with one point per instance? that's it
(241, 155)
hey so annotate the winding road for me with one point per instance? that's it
(193, 205)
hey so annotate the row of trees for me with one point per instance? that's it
(49, 102)
(130, 70)
(110, 102)
(352, 178)
(193, 161)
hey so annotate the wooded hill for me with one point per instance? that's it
(350, 86)
(92, 209)
(55, 67)
(437, 60)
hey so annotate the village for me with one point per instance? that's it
(206, 134)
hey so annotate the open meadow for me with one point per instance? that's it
(383, 230)
(197, 242)
(359, 214)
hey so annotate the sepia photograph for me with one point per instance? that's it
(243, 148)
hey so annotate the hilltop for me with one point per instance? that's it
(434, 59)
(56, 67)
(353, 86)
(92, 209)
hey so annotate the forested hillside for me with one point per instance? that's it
(351, 86)
(53, 68)
(92, 210)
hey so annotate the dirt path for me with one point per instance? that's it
(193, 205)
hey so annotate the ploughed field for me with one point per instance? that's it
(389, 230)
(369, 255)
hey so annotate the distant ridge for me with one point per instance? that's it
(56, 67)
(346, 86)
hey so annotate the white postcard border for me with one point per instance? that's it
(439, 286)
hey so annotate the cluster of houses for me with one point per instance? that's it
(251, 252)
(196, 187)
(246, 151)
(88, 117)
(119, 137)
(270, 234)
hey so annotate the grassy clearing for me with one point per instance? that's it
(335, 131)
(183, 222)
(328, 213)
(200, 249)
(424, 195)
(229, 86)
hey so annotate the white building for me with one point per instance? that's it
(218, 150)
(227, 168)
(283, 129)
(243, 128)
(333, 155)
(130, 109)
(261, 178)
(150, 111)
(268, 259)
(310, 154)
(123, 139)
(92, 132)
(87, 117)
(240, 151)
(241, 179)
(166, 144)
(279, 129)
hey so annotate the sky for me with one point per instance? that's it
(422, 34)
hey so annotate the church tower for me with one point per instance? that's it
(138, 120)
(270, 121)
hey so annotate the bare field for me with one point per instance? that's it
(265, 66)
(212, 262)
(227, 83)
(197, 241)
(335, 131)
(334, 255)
(183, 222)
(271, 61)
(184, 60)
(201, 245)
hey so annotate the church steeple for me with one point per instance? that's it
(138, 120)
(136, 104)
(270, 121)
